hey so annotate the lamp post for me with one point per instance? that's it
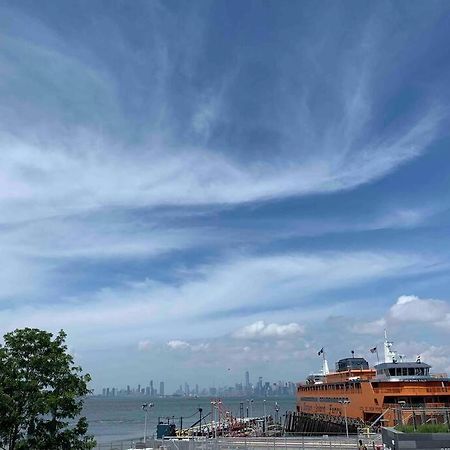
(146, 407)
(265, 420)
(344, 403)
(251, 408)
(401, 404)
(219, 403)
(213, 404)
(277, 408)
(200, 410)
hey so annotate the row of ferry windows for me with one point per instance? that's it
(325, 399)
(404, 371)
(331, 387)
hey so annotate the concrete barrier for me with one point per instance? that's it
(396, 440)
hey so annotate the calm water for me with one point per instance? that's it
(120, 418)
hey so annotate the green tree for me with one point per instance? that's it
(41, 393)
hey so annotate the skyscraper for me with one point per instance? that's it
(161, 388)
(152, 390)
(247, 381)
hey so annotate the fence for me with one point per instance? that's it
(300, 442)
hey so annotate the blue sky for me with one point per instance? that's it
(192, 187)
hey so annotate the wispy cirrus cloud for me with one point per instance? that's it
(108, 151)
(228, 293)
(78, 168)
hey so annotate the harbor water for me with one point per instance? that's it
(122, 418)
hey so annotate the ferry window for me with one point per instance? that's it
(391, 372)
(410, 371)
(405, 371)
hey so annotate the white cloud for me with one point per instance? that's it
(260, 329)
(155, 177)
(409, 309)
(412, 308)
(183, 345)
(216, 291)
(178, 345)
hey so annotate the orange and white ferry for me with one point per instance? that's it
(393, 391)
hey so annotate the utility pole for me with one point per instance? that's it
(265, 419)
(344, 403)
(146, 407)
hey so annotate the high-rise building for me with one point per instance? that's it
(128, 390)
(107, 392)
(152, 390)
(187, 391)
(247, 380)
(104, 392)
(139, 389)
(259, 389)
(161, 388)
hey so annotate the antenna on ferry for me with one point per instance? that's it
(389, 354)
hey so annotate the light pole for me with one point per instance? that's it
(213, 410)
(277, 408)
(265, 421)
(200, 410)
(401, 404)
(219, 403)
(344, 403)
(251, 408)
(146, 407)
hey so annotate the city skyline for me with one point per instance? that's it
(247, 389)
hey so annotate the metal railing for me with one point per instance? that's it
(299, 442)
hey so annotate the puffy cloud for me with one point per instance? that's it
(260, 329)
(178, 345)
(408, 309)
(412, 308)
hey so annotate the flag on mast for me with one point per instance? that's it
(373, 350)
(320, 352)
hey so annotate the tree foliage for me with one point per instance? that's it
(41, 393)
